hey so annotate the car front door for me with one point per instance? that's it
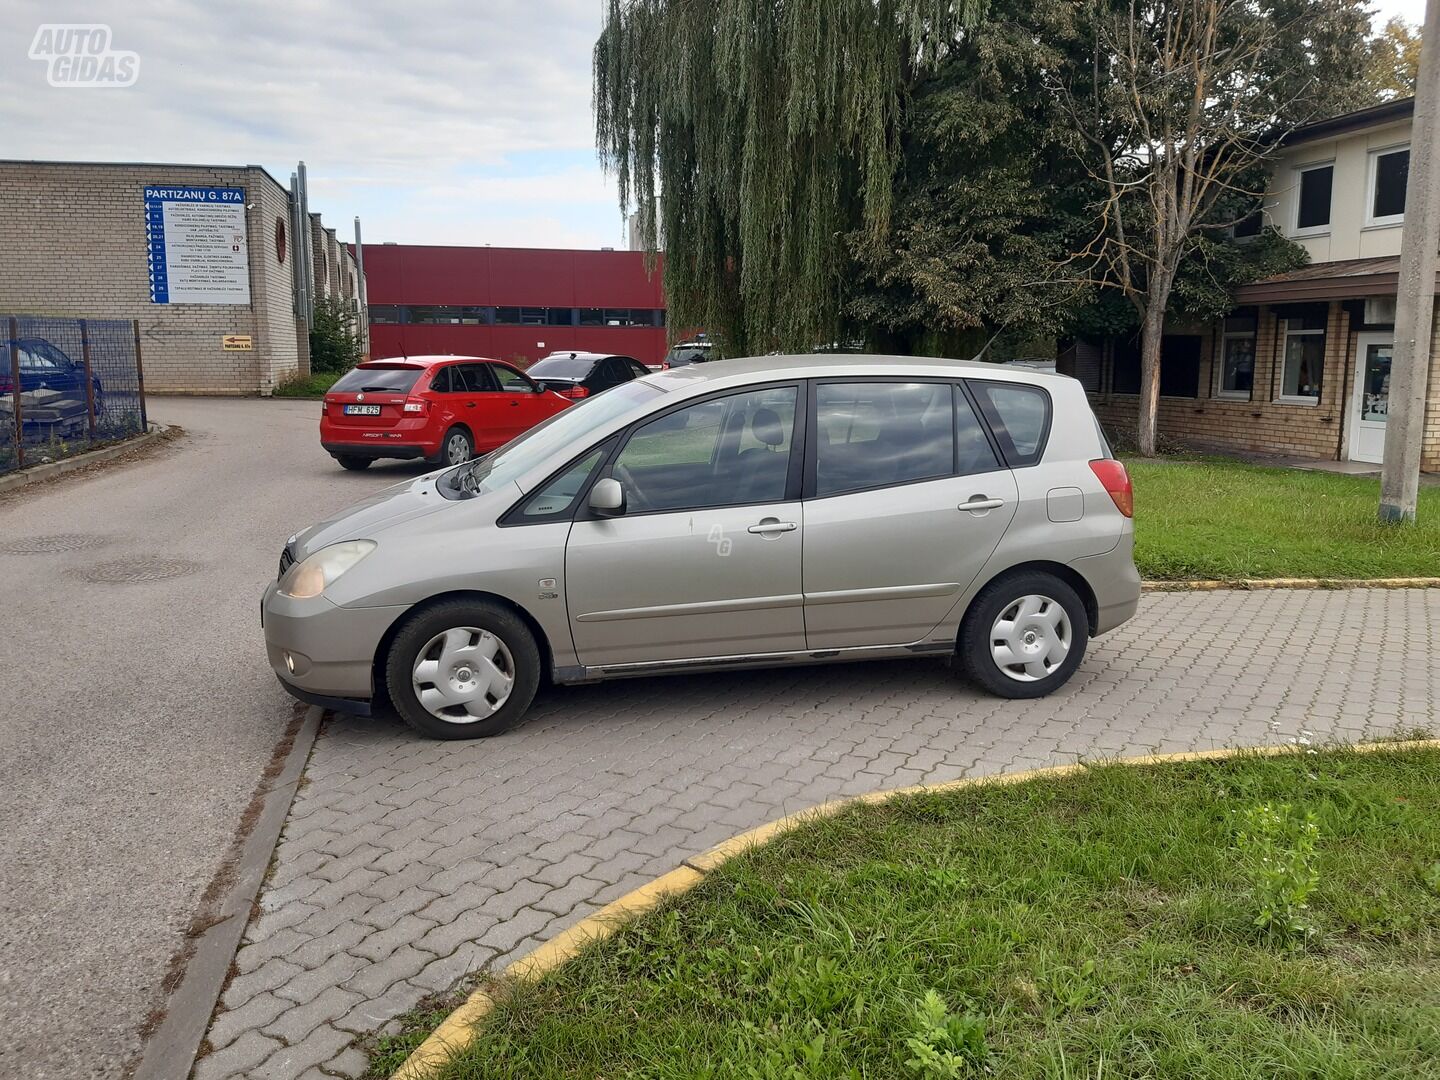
(704, 559)
(525, 404)
(906, 500)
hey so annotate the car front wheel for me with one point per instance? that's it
(463, 669)
(1024, 635)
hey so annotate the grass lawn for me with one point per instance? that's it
(1101, 926)
(1218, 518)
(307, 386)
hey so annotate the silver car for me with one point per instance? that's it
(741, 513)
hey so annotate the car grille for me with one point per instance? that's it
(287, 560)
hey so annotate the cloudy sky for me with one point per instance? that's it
(437, 121)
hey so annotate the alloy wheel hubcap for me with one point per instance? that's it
(1031, 638)
(463, 675)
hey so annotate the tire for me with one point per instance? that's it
(488, 636)
(354, 464)
(450, 447)
(1049, 631)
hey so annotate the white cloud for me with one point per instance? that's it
(426, 100)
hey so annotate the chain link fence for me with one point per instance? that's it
(66, 386)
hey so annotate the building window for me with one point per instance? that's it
(1249, 226)
(534, 316)
(1388, 175)
(617, 317)
(387, 314)
(1303, 344)
(446, 315)
(1312, 213)
(1237, 357)
(280, 240)
(1179, 366)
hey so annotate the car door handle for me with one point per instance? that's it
(469, 404)
(771, 525)
(979, 502)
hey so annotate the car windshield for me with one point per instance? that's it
(397, 380)
(560, 367)
(566, 432)
(680, 356)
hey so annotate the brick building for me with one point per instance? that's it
(83, 239)
(1301, 367)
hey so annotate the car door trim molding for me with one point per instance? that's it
(888, 592)
(702, 607)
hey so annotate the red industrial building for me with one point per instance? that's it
(515, 304)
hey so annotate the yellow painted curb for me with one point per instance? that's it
(1252, 584)
(457, 1030)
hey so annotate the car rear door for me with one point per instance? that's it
(370, 399)
(705, 559)
(906, 498)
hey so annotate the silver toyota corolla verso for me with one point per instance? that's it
(743, 513)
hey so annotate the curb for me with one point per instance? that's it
(51, 469)
(1244, 584)
(202, 974)
(457, 1031)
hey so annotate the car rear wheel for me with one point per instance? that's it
(463, 669)
(354, 464)
(1024, 635)
(457, 447)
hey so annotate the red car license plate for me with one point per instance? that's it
(362, 410)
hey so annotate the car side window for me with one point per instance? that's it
(637, 369)
(474, 378)
(973, 452)
(1019, 415)
(613, 372)
(557, 498)
(721, 452)
(875, 434)
(511, 380)
(440, 382)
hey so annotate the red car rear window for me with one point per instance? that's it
(396, 380)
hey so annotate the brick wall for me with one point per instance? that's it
(1261, 424)
(72, 242)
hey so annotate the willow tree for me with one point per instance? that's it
(754, 135)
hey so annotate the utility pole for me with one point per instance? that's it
(1415, 298)
(363, 315)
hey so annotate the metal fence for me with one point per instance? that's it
(67, 385)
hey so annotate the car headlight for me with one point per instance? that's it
(315, 574)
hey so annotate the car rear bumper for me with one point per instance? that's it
(1114, 581)
(377, 448)
(323, 653)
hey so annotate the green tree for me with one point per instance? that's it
(1393, 63)
(335, 343)
(1182, 115)
(770, 127)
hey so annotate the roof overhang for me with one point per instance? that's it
(1351, 279)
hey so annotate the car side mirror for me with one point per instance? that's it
(607, 497)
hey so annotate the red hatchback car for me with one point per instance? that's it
(444, 409)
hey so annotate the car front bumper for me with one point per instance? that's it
(323, 653)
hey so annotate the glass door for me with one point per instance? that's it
(1371, 404)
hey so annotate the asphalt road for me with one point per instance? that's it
(136, 711)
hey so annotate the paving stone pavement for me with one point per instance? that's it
(408, 863)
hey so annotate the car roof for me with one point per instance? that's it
(822, 365)
(422, 361)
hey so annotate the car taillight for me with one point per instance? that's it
(416, 405)
(575, 392)
(324, 406)
(664, 365)
(1116, 481)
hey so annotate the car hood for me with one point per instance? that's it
(387, 508)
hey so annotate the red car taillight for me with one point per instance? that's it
(574, 392)
(1116, 481)
(324, 406)
(664, 365)
(417, 405)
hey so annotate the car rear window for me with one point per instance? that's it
(397, 380)
(560, 367)
(682, 357)
(1019, 415)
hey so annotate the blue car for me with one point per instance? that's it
(45, 367)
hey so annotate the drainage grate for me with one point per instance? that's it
(136, 568)
(48, 545)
